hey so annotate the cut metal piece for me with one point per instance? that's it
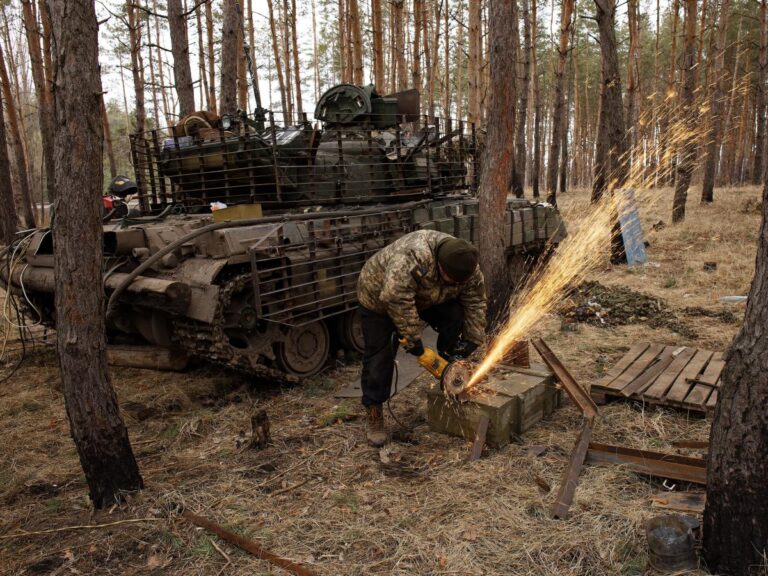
(579, 396)
(572, 472)
(455, 377)
(683, 468)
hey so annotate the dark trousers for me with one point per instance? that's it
(381, 345)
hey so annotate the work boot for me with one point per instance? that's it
(377, 436)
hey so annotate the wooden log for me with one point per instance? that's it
(259, 430)
(152, 357)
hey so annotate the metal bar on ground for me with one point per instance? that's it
(248, 545)
(572, 472)
(579, 396)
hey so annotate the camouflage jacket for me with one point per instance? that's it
(403, 278)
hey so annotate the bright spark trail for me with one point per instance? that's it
(586, 248)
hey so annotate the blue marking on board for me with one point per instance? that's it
(631, 230)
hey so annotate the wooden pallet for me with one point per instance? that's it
(676, 376)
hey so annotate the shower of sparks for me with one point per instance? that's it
(589, 246)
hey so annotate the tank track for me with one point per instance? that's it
(210, 342)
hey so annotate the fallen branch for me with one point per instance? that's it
(289, 488)
(248, 545)
(82, 527)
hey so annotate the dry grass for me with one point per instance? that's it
(429, 514)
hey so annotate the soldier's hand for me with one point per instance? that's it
(464, 349)
(416, 348)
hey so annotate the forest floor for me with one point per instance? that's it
(319, 495)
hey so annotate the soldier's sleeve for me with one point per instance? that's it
(398, 293)
(472, 298)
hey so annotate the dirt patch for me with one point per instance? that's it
(607, 306)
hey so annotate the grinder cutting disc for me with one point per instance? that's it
(455, 377)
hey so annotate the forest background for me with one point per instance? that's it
(299, 48)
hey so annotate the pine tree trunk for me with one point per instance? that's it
(518, 179)
(242, 73)
(94, 417)
(229, 53)
(18, 147)
(396, 12)
(498, 156)
(688, 113)
(714, 139)
(167, 111)
(8, 218)
(558, 109)
(564, 148)
(473, 63)
(758, 167)
(44, 102)
(285, 35)
(418, 7)
(137, 64)
(633, 80)
(446, 65)
(212, 106)
(610, 156)
(108, 140)
(537, 107)
(182, 72)
(205, 95)
(357, 42)
(377, 24)
(736, 514)
(667, 160)
(315, 61)
(278, 64)
(297, 64)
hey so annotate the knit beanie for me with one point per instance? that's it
(458, 258)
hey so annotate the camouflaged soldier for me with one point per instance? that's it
(425, 276)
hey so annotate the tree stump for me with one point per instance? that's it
(259, 430)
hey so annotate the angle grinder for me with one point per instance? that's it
(453, 375)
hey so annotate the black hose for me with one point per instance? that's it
(149, 262)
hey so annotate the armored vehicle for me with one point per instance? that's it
(252, 231)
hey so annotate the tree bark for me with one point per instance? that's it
(537, 107)
(736, 514)
(633, 80)
(137, 64)
(297, 64)
(688, 150)
(182, 72)
(97, 428)
(498, 156)
(276, 55)
(44, 104)
(714, 139)
(396, 13)
(418, 7)
(377, 24)
(357, 43)
(229, 53)
(473, 63)
(518, 176)
(25, 194)
(558, 111)
(757, 169)
(108, 140)
(205, 96)
(213, 105)
(8, 218)
(611, 161)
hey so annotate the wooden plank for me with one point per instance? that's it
(714, 368)
(572, 472)
(657, 464)
(639, 384)
(579, 396)
(689, 502)
(681, 386)
(659, 388)
(622, 364)
(637, 367)
(712, 401)
(480, 433)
